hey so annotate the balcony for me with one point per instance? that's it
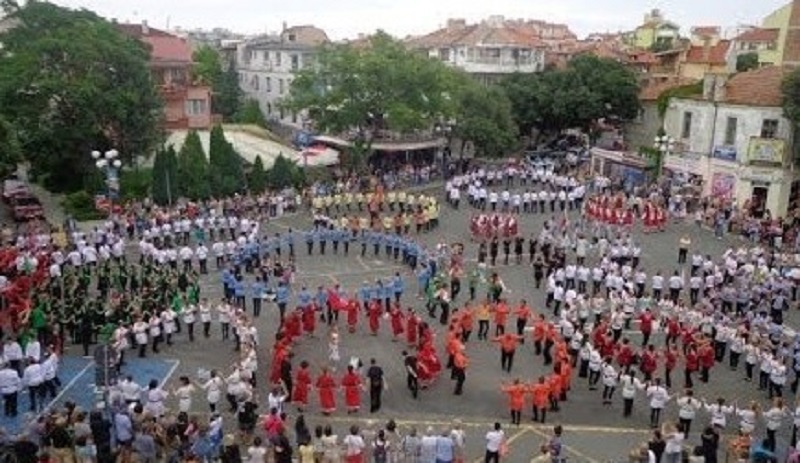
(173, 92)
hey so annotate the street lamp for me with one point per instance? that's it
(446, 129)
(109, 164)
(665, 145)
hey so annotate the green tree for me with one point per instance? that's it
(72, 82)
(484, 117)
(250, 113)
(257, 178)
(226, 94)
(746, 62)
(226, 173)
(10, 150)
(193, 168)
(165, 174)
(588, 89)
(282, 174)
(365, 90)
(206, 68)
(791, 96)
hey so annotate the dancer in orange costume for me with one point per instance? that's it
(501, 311)
(516, 399)
(302, 383)
(353, 385)
(326, 385)
(540, 396)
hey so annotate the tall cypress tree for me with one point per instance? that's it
(193, 168)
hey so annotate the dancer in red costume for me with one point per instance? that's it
(310, 319)
(352, 315)
(302, 383)
(374, 313)
(396, 316)
(353, 385)
(429, 365)
(412, 327)
(326, 385)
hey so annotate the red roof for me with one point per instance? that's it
(758, 34)
(164, 47)
(760, 87)
(715, 54)
(652, 91)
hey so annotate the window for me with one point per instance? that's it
(769, 128)
(730, 131)
(280, 86)
(269, 109)
(686, 130)
(269, 84)
(254, 83)
(196, 107)
(295, 62)
(278, 58)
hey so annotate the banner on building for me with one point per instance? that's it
(726, 153)
(766, 151)
(723, 185)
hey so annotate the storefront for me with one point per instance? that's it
(630, 168)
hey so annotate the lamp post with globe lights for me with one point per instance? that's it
(109, 164)
(664, 145)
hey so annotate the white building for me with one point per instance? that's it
(492, 48)
(735, 137)
(267, 65)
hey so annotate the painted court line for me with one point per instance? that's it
(68, 386)
(174, 367)
(509, 441)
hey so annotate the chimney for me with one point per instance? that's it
(706, 49)
(720, 85)
(709, 85)
(285, 26)
(456, 24)
(145, 28)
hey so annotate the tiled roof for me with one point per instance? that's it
(515, 33)
(758, 34)
(164, 47)
(306, 35)
(653, 91)
(760, 87)
(716, 54)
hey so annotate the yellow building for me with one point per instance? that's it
(777, 41)
(655, 33)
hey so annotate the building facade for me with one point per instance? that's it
(735, 137)
(655, 33)
(187, 104)
(777, 40)
(492, 48)
(267, 65)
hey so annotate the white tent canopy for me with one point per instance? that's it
(252, 142)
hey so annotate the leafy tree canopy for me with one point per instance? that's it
(588, 89)
(383, 86)
(484, 117)
(791, 96)
(70, 83)
(746, 62)
(226, 95)
(10, 150)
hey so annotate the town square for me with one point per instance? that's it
(391, 237)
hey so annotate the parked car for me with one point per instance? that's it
(25, 206)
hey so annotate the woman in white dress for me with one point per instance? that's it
(184, 393)
(213, 388)
(154, 399)
(333, 348)
(747, 418)
(168, 322)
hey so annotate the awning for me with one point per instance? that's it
(386, 145)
